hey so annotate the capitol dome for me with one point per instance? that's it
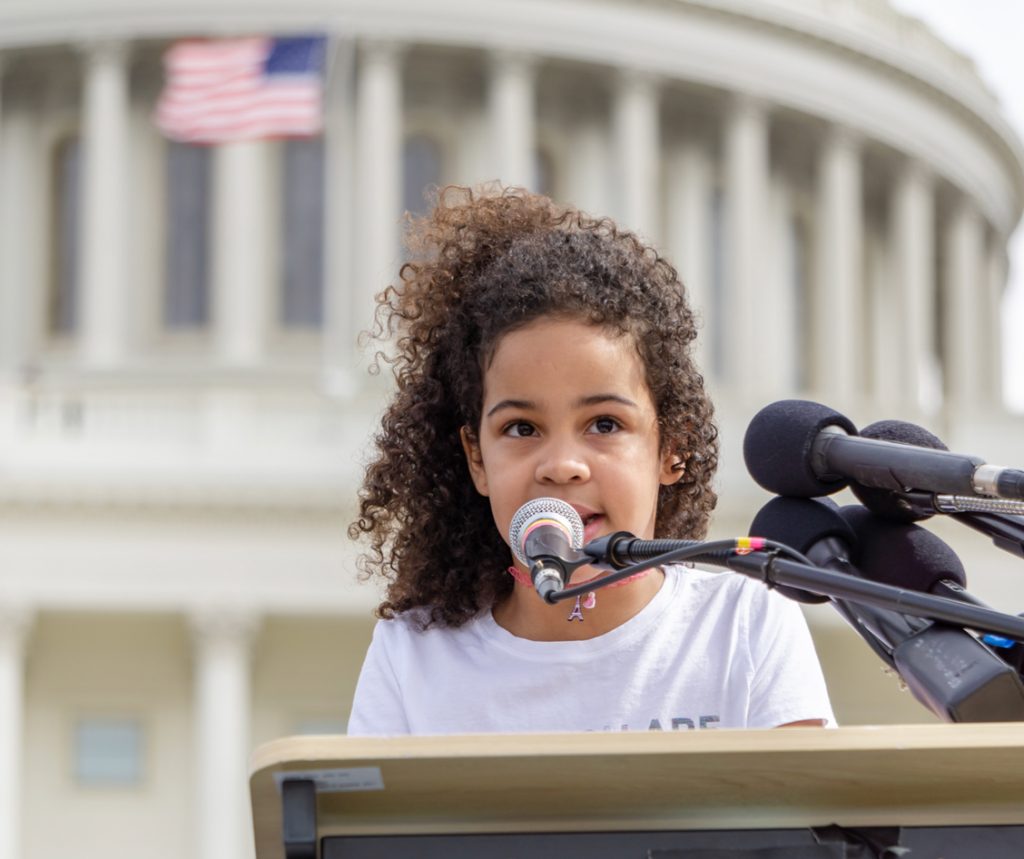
(184, 408)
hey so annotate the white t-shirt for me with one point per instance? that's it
(710, 650)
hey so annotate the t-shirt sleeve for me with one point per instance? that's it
(377, 707)
(787, 683)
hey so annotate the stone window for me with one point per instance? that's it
(186, 301)
(302, 234)
(62, 307)
(108, 752)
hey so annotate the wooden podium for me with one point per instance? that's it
(568, 794)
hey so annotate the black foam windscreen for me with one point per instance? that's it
(778, 443)
(896, 553)
(800, 523)
(885, 502)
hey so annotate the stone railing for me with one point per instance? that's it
(227, 447)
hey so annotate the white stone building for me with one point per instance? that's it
(183, 411)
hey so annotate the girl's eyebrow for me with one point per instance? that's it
(597, 399)
(591, 400)
(512, 404)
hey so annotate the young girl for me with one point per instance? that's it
(544, 353)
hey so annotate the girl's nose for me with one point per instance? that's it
(562, 463)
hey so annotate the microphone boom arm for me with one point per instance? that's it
(766, 565)
(773, 570)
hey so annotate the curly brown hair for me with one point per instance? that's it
(482, 264)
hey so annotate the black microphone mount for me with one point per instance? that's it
(993, 517)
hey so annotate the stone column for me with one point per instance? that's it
(339, 335)
(746, 187)
(105, 297)
(244, 232)
(17, 324)
(14, 626)
(838, 324)
(964, 358)
(913, 355)
(12, 321)
(635, 131)
(992, 320)
(688, 235)
(222, 706)
(511, 107)
(378, 175)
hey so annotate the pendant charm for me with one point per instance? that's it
(577, 612)
(588, 602)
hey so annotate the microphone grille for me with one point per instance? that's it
(778, 446)
(899, 554)
(544, 508)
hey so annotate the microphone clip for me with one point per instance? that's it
(553, 563)
(605, 553)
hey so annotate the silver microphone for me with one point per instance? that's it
(546, 535)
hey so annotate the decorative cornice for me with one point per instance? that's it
(153, 497)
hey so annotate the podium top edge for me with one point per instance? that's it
(316, 749)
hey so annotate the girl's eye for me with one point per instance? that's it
(605, 424)
(520, 429)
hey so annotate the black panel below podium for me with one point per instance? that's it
(960, 842)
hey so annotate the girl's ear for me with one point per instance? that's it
(471, 447)
(672, 467)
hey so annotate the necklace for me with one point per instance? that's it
(587, 601)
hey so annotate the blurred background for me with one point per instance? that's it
(198, 202)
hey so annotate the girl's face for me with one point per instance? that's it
(567, 414)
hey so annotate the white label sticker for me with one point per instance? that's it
(336, 781)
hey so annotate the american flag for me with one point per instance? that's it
(223, 90)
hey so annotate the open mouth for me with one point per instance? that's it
(591, 525)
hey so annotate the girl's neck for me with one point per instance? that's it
(525, 615)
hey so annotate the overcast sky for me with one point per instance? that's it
(990, 32)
